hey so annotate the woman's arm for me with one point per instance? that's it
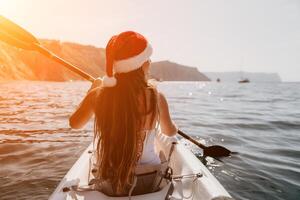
(85, 109)
(167, 125)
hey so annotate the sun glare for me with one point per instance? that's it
(6, 7)
(4, 4)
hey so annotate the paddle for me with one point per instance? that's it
(16, 36)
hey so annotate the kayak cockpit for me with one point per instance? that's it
(189, 178)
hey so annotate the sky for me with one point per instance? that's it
(213, 35)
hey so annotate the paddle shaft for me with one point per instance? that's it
(191, 139)
(71, 67)
(213, 151)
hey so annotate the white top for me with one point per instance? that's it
(149, 155)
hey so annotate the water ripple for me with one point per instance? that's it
(260, 121)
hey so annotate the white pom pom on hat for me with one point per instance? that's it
(109, 81)
(124, 53)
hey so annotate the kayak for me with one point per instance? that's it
(190, 178)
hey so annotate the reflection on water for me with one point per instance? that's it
(261, 122)
(36, 144)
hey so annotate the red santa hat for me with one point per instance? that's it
(124, 53)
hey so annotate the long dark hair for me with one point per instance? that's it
(120, 113)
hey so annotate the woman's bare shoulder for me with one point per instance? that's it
(167, 125)
(161, 97)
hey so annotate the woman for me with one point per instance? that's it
(127, 111)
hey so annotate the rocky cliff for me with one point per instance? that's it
(170, 71)
(18, 64)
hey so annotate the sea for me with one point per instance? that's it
(260, 121)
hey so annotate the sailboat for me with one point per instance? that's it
(243, 80)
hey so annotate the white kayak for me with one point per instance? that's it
(199, 183)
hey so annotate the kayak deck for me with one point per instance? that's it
(204, 186)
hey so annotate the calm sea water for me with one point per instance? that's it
(260, 121)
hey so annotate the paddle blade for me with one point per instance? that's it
(15, 31)
(14, 42)
(216, 151)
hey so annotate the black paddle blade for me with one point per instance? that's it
(16, 31)
(216, 151)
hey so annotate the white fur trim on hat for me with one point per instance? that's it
(109, 81)
(133, 63)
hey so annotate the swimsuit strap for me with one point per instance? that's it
(157, 125)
